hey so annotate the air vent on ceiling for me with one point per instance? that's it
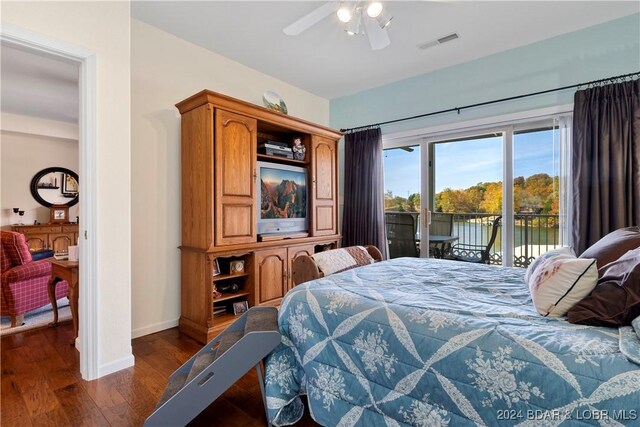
(436, 42)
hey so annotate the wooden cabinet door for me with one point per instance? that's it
(271, 271)
(293, 253)
(323, 186)
(37, 242)
(235, 155)
(60, 242)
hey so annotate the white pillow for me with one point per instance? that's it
(559, 282)
(545, 256)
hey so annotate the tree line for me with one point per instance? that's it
(535, 194)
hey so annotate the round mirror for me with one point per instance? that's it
(55, 186)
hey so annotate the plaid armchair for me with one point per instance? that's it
(24, 282)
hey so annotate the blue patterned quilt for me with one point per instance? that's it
(432, 342)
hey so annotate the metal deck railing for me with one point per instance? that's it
(534, 234)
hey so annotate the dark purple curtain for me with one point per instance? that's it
(363, 216)
(606, 161)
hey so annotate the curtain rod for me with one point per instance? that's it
(495, 101)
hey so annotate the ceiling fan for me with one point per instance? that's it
(354, 15)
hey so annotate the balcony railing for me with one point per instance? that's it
(534, 234)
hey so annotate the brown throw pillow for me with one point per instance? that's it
(616, 299)
(613, 245)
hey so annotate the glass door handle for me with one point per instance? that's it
(427, 218)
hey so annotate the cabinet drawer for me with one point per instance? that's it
(39, 229)
(70, 228)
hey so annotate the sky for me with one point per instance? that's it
(462, 164)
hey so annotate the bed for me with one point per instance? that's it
(434, 342)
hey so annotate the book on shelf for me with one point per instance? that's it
(61, 256)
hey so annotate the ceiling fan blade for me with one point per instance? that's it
(311, 18)
(378, 37)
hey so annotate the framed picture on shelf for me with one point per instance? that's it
(69, 185)
(216, 267)
(237, 267)
(240, 307)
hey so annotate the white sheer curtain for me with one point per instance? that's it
(566, 194)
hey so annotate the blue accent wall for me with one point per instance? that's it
(596, 52)
(601, 51)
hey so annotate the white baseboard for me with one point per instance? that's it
(152, 329)
(116, 365)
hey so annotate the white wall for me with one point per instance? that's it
(104, 29)
(38, 126)
(22, 156)
(164, 71)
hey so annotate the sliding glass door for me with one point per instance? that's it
(536, 193)
(402, 200)
(466, 191)
(495, 196)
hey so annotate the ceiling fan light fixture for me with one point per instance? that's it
(344, 14)
(353, 27)
(374, 9)
(383, 20)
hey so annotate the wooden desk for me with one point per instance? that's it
(65, 270)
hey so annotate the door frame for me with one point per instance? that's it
(88, 338)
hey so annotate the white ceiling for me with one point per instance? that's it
(326, 61)
(38, 86)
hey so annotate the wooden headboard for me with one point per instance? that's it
(304, 267)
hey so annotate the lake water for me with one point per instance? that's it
(479, 234)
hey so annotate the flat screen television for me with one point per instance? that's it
(282, 199)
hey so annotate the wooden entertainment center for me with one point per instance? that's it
(220, 208)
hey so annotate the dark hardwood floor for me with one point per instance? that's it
(41, 384)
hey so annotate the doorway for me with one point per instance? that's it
(37, 44)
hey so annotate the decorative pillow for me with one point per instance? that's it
(565, 251)
(15, 246)
(613, 245)
(561, 281)
(616, 299)
(337, 260)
